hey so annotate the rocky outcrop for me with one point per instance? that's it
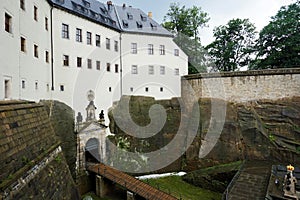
(254, 130)
(62, 120)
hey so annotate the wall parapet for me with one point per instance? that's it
(242, 86)
(283, 71)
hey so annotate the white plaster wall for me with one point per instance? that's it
(77, 81)
(170, 82)
(23, 65)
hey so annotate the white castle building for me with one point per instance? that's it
(61, 49)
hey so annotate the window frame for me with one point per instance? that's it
(23, 44)
(8, 22)
(35, 13)
(66, 60)
(162, 49)
(151, 70)
(150, 49)
(162, 70)
(79, 62)
(116, 46)
(107, 43)
(22, 4)
(98, 65)
(108, 67)
(78, 35)
(134, 48)
(47, 58)
(89, 63)
(88, 38)
(134, 69)
(65, 31)
(98, 40)
(36, 51)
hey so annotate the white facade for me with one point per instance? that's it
(45, 29)
(24, 75)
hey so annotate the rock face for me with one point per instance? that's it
(62, 120)
(256, 130)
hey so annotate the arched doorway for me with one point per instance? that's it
(92, 151)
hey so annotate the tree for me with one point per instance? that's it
(233, 45)
(184, 23)
(278, 43)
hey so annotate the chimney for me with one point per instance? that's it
(150, 15)
(109, 5)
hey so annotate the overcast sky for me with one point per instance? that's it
(220, 11)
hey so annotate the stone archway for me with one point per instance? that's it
(92, 152)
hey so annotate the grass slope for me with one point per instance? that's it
(180, 189)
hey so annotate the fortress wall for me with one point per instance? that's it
(242, 86)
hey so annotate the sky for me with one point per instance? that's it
(220, 12)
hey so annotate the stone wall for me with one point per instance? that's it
(62, 120)
(32, 164)
(243, 86)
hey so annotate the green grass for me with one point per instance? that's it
(183, 190)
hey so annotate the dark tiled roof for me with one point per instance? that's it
(122, 18)
(91, 9)
(135, 20)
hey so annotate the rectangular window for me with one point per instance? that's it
(65, 31)
(22, 4)
(176, 71)
(176, 52)
(134, 48)
(8, 24)
(36, 51)
(47, 56)
(36, 85)
(151, 70)
(131, 89)
(65, 60)
(146, 89)
(162, 70)
(161, 89)
(129, 16)
(7, 88)
(35, 13)
(79, 62)
(134, 69)
(46, 23)
(89, 63)
(98, 40)
(89, 38)
(23, 44)
(116, 68)
(108, 43)
(108, 67)
(116, 46)
(62, 88)
(98, 65)
(23, 84)
(150, 49)
(162, 50)
(78, 35)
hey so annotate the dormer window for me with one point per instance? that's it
(139, 24)
(143, 17)
(153, 26)
(86, 3)
(130, 16)
(104, 11)
(125, 23)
